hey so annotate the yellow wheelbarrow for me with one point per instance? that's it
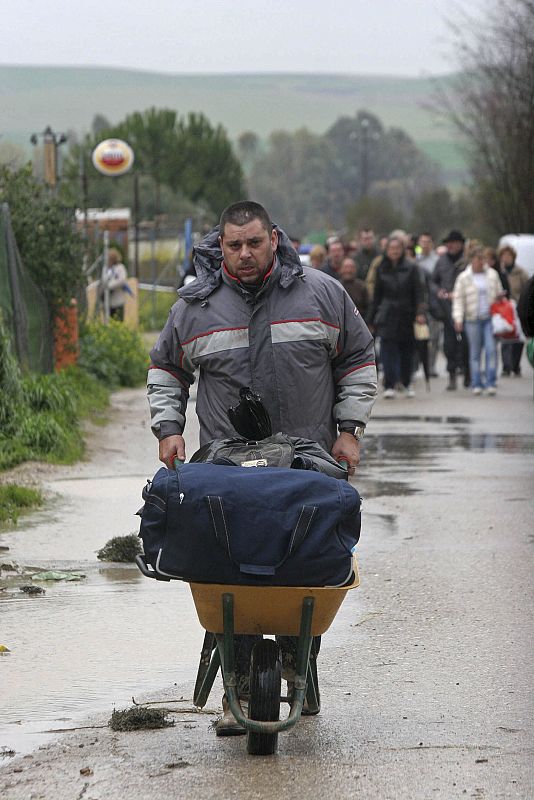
(228, 610)
(225, 610)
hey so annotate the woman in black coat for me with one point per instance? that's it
(397, 303)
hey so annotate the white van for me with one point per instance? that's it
(523, 244)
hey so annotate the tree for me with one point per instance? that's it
(204, 164)
(492, 105)
(292, 180)
(153, 135)
(309, 182)
(188, 158)
(376, 213)
(45, 232)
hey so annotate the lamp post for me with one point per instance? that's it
(51, 142)
(364, 124)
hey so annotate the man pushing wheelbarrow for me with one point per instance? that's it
(256, 318)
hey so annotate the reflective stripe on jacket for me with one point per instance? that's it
(299, 343)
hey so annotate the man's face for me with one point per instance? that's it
(248, 250)
(367, 240)
(336, 253)
(394, 250)
(426, 244)
(455, 247)
(348, 270)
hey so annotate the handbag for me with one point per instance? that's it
(505, 321)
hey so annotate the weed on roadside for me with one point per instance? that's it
(15, 499)
(136, 719)
(123, 549)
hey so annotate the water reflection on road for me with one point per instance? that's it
(93, 644)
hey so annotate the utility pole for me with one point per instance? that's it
(364, 124)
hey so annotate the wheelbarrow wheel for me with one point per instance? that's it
(264, 703)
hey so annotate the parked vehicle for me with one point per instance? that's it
(523, 244)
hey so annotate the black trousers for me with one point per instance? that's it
(397, 361)
(511, 353)
(456, 349)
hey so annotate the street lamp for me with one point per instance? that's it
(368, 136)
(51, 142)
(364, 125)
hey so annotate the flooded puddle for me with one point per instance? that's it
(92, 644)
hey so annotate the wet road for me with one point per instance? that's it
(426, 674)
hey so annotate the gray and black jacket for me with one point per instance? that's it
(299, 342)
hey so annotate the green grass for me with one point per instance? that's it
(273, 101)
(46, 425)
(15, 500)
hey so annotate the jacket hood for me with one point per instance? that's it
(208, 257)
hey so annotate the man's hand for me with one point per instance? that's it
(170, 448)
(442, 294)
(347, 448)
(458, 327)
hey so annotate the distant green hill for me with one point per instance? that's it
(68, 97)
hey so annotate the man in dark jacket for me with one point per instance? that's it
(255, 317)
(397, 304)
(367, 252)
(447, 269)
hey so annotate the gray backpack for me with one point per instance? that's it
(278, 450)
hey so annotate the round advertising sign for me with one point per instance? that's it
(113, 157)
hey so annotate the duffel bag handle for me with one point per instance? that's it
(220, 529)
(177, 462)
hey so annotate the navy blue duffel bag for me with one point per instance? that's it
(223, 524)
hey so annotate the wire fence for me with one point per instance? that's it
(25, 311)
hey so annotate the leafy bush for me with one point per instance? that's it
(46, 421)
(14, 498)
(154, 309)
(46, 235)
(113, 353)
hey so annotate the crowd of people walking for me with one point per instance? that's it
(419, 299)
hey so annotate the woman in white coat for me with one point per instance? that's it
(476, 288)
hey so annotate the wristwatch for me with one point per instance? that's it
(356, 430)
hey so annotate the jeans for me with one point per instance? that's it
(397, 361)
(480, 336)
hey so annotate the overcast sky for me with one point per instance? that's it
(394, 37)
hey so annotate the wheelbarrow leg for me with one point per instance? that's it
(313, 698)
(207, 670)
